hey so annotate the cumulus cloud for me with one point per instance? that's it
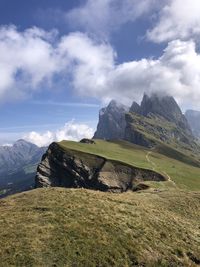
(177, 20)
(26, 60)
(90, 62)
(32, 58)
(71, 131)
(100, 17)
(29, 58)
(176, 72)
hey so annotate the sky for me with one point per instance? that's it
(61, 61)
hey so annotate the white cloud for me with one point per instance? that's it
(90, 61)
(26, 60)
(32, 58)
(100, 17)
(93, 69)
(176, 72)
(178, 19)
(71, 131)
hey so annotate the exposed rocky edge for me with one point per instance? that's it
(111, 122)
(193, 118)
(74, 169)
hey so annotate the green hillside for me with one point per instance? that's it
(182, 173)
(155, 130)
(76, 227)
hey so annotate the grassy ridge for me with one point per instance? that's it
(184, 175)
(68, 227)
(77, 228)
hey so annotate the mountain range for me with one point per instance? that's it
(158, 119)
(18, 165)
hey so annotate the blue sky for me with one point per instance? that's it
(60, 61)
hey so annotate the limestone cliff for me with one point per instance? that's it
(111, 122)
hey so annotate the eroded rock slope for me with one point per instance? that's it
(74, 169)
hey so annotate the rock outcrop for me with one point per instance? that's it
(111, 122)
(166, 107)
(158, 119)
(74, 169)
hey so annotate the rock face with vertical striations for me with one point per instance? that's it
(111, 122)
(166, 107)
(157, 119)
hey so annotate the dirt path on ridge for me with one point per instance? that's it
(154, 166)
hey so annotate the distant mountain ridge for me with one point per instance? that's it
(20, 154)
(18, 165)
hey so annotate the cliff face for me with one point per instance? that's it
(111, 122)
(71, 169)
(156, 118)
(166, 107)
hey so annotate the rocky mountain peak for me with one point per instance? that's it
(164, 106)
(118, 122)
(113, 103)
(116, 106)
(111, 121)
(135, 108)
(23, 143)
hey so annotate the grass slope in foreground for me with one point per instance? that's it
(76, 227)
(182, 171)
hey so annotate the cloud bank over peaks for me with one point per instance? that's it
(176, 72)
(70, 131)
(33, 57)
